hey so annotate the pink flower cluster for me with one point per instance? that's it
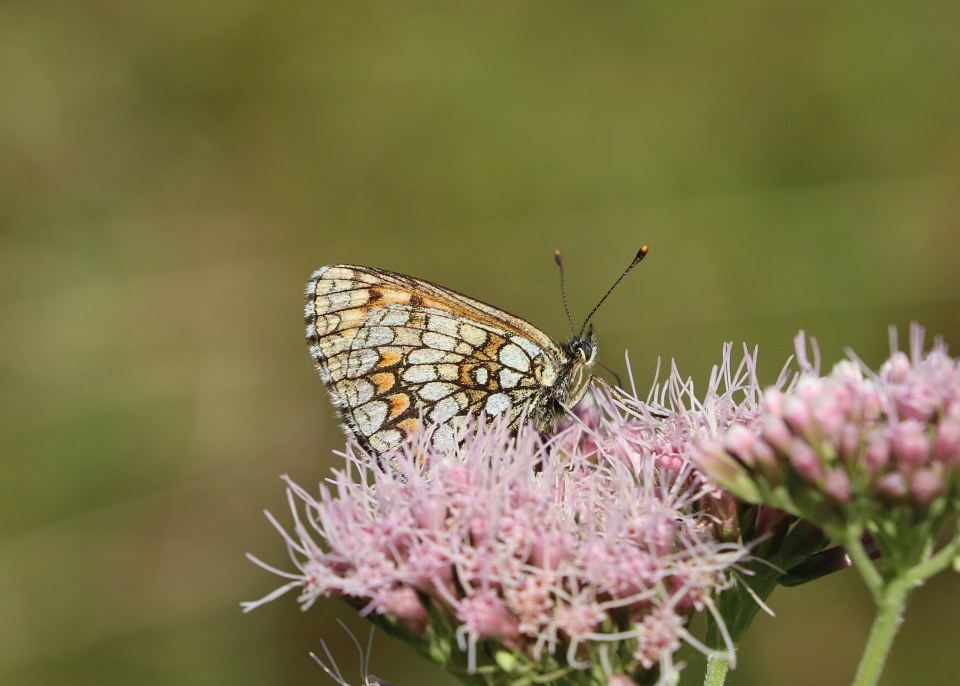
(852, 441)
(589, 546)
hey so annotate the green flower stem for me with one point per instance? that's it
(717, 666)
(891, 600)
(861, 560)
(738, 607)
(884, 629)
(934, 564)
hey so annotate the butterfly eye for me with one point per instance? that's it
(585, 351)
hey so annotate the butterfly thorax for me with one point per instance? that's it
(567, 384)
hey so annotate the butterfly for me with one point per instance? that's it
(395, 350)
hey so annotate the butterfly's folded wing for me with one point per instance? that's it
(390, 348)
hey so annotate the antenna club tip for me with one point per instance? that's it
(558, 258)
(641, 253)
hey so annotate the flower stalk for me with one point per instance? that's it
(717, 668)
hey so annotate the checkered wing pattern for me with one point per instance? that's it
(391, 348)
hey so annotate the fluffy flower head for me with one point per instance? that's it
(585, 553)
(854, 446)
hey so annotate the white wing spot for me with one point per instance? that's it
(370, 417)
(436, 390)
(531, 348)
(425, 356)
(342, 300)
(385, 440)
(355, 392)
(359, 362)
(352, 319)
(420, 374)
(472, 335)
(481, 375)
(512, 356)
(395, 318)
(318, 272)
(339, 272)
(334, 345)
(509, 378)
(326, 324)
(444, 437)
(497, 403)
(443, 325)
(444, 410)
(448, 372)
(548, 372)
(326, 286)
(335, 366)
(432, 339)
(405, 336)
(377, 336)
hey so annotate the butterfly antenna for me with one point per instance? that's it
(644, 249)
(563, 288)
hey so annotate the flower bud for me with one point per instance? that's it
(773, 399)
(910, 443)
(848, 372)
(829, 417)
(797, 415)
(892, 486)
(896, 368)
(725, 470)
(871, 403)
(487, 616)
(809, 388)
(837, 485)
(925, 485)
(766, 461)
(946, 444)
(877, 454)
(739, 442)
(849, 444)
(404, 604)
(776, 433)
(804, 461)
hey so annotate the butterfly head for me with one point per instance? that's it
(582, 349)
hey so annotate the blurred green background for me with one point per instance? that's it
(170, 174)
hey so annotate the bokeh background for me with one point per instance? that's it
(170, 174)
